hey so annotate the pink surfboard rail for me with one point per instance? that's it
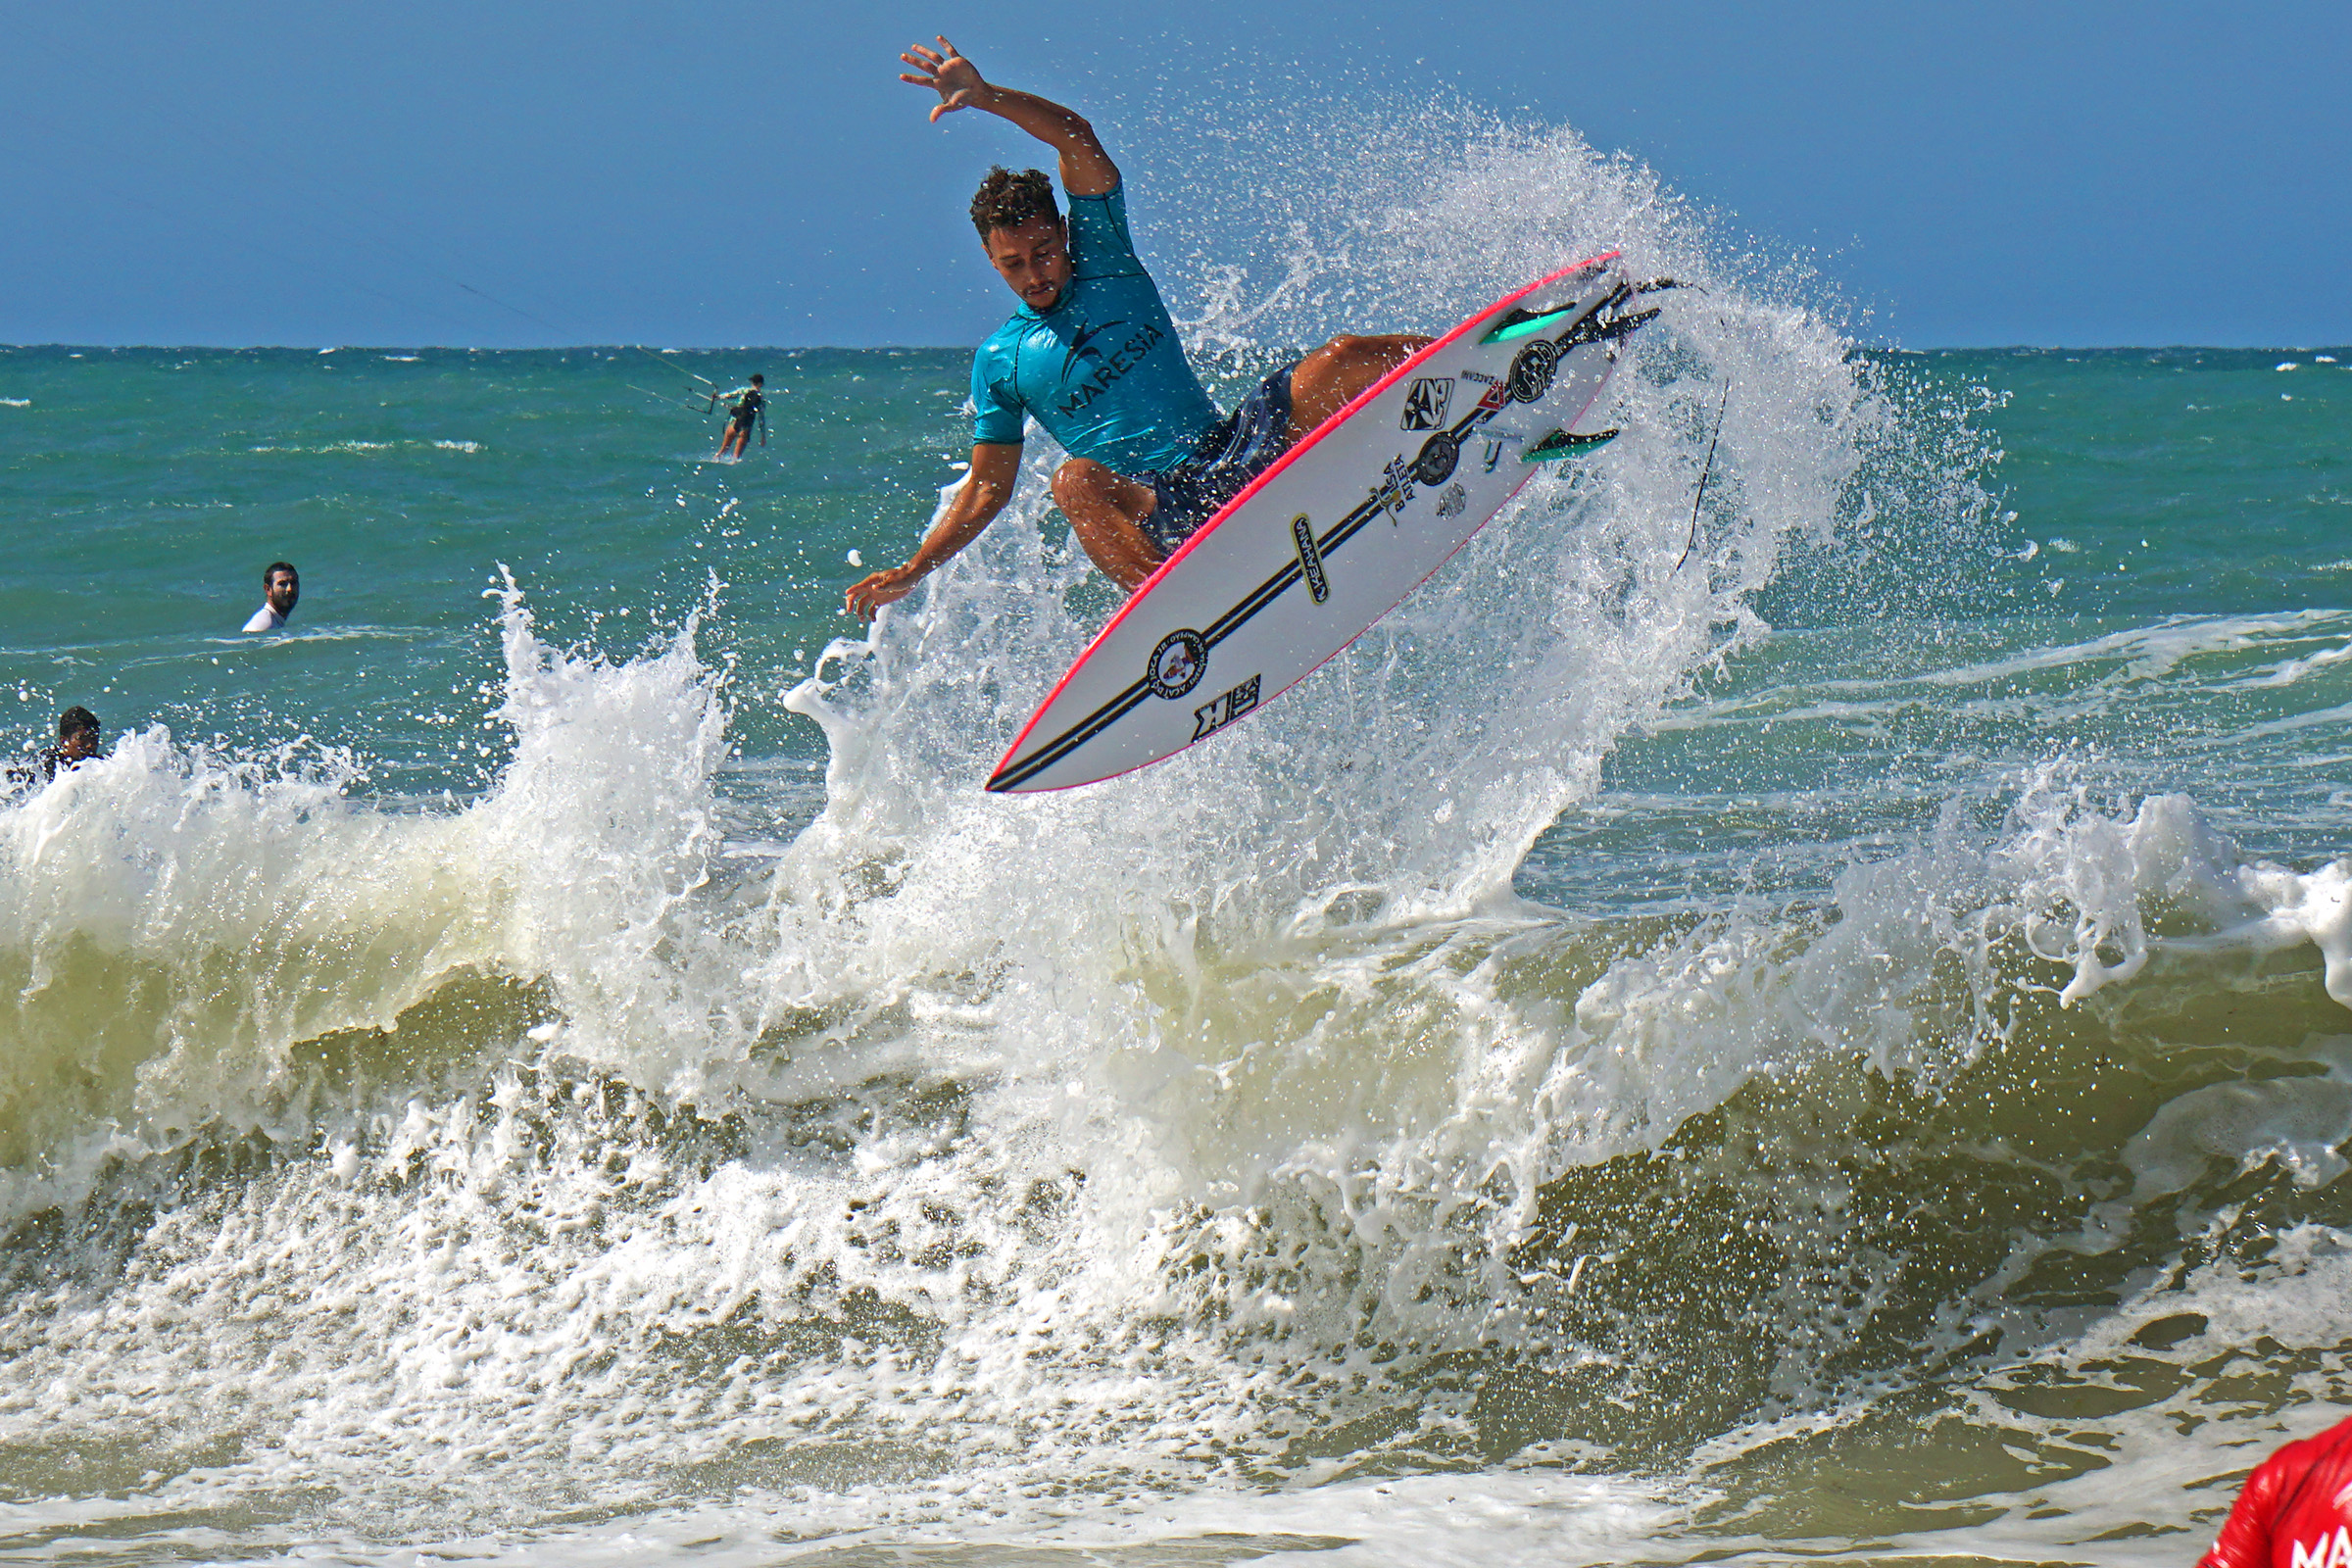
(1137, 599)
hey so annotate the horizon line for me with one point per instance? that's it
(322, 349)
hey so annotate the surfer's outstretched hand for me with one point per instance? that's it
(955, 79)
(1086, 168)
(878, 588)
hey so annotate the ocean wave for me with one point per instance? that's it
(2144, 676)
(259, 908)
(540, 1092)
(296, 636)
(338, 448)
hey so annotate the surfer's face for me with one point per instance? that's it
(1033, 260)
(281, 591)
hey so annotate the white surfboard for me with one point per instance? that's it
(1337, 531)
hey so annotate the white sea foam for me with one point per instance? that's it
(354, 446)
(480, 1239)
(2113, 673)
(331, 918)
(2293, 670)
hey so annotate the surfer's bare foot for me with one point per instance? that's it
(1324, 383)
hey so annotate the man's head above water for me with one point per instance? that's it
(76, 734)
(1023, 233)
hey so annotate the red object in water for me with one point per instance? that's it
(2296, 1511)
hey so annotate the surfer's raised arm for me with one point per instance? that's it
(1094, 360)
(1086, 168)
(996, 469)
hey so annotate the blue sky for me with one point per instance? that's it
(494, 173)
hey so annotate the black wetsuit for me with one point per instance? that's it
(39, 769)
(741, 415)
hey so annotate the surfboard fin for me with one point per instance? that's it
(1604, 319)
(1560, 444)
(1527, 326)
(1600, 328)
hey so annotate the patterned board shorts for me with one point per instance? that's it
(1233, 452)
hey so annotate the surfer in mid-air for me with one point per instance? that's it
(1092, 356)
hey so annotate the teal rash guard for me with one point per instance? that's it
(1102, 371)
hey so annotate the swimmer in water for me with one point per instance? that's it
(280, 587)
(76, 741)
(749, 407)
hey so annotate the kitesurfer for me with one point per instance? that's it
(748, 408)
(1091, 355)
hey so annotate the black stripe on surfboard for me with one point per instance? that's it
(1126, 702)
(1224, 626)
(1586, 328)
(1234, 620)
(1086, 729)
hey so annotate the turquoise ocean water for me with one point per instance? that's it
(1843, 1049)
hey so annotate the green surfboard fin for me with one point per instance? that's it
(1529, 325)
(1560, 444)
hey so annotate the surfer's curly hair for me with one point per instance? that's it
(1007, 200)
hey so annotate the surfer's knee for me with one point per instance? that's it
(1089, 493)
(1345, 358)
(1336, 351)
(1383, 352)
(1080, 480)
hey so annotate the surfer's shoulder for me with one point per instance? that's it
(999, 412)
(1102, 245)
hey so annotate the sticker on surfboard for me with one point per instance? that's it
(1337, 531)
